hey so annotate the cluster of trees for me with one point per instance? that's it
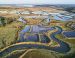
(70, 9)
(4, 21)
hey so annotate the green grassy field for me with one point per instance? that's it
(9, 34)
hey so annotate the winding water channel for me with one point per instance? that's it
(63, 48)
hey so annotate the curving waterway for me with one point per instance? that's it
(62, 48)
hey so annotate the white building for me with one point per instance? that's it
(45, 13)
(21, 19)
(13, 12)
(3, 11)
(38, 12)
(53, 13)
(25, 12)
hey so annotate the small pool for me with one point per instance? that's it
(62, 17)
(69, 33)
